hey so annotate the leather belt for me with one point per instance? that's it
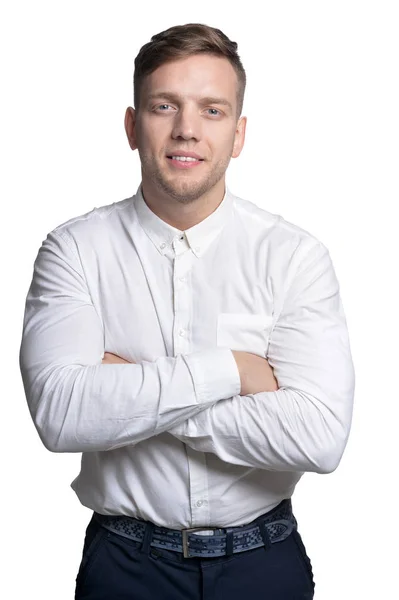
(274, 526)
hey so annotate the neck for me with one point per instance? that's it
(182, 215)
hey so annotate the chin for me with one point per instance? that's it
(184, 191)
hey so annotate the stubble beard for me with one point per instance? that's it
(179, 187)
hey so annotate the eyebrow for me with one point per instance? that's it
(203, 101)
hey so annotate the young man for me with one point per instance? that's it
(194, 348)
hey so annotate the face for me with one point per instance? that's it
(188, 108)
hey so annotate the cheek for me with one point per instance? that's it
(151, 141)
(223, 143)
(220, 134)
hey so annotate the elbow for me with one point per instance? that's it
(329, 454)
(49, 434)
(51, 438)
(323, 434)
(50, 444)
(53, 431)
(52, 405)
(327, 462)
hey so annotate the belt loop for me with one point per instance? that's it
(265, 535)
(229, 542)
(148, 531)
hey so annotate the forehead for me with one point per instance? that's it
(198, 75)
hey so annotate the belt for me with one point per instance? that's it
(274, 526)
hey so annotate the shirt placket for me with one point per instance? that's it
(182, 297)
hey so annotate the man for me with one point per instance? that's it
(194, 348)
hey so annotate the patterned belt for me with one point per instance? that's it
(272, 527)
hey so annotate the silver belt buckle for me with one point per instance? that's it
(185, 532)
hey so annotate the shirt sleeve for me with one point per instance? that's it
(305, 424)
(78, 404)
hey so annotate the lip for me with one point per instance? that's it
(179, 164)
(182, 153)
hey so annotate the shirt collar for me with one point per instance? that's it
(199, 237)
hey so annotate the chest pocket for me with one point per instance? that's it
(244, 331)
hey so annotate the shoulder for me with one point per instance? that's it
(96, 220)
(276, 229)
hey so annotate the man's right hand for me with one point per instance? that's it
(255, 373)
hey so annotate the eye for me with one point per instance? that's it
(214, 112)
(163, 107)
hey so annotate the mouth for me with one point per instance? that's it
(184, 162)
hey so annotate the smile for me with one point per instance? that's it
(184, 158)
(184, 162)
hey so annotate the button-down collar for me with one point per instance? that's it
(199, 237)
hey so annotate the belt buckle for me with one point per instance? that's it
(185, 532)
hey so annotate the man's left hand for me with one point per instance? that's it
(111, 359)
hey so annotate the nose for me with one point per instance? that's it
(187, 124)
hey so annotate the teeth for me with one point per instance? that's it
(184, 158)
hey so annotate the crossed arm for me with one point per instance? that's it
(302, 426)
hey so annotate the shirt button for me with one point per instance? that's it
(163, 245)
(182, 332)
(182, 279)
(199, 503)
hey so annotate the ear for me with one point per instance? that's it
(130, 127)
(239, 137)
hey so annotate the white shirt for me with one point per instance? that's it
(170, 439)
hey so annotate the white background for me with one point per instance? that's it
(321, 150)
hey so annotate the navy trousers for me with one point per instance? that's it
(117, 568)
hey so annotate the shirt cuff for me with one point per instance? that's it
(215, 374)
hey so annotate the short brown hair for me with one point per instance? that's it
(182, 41)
